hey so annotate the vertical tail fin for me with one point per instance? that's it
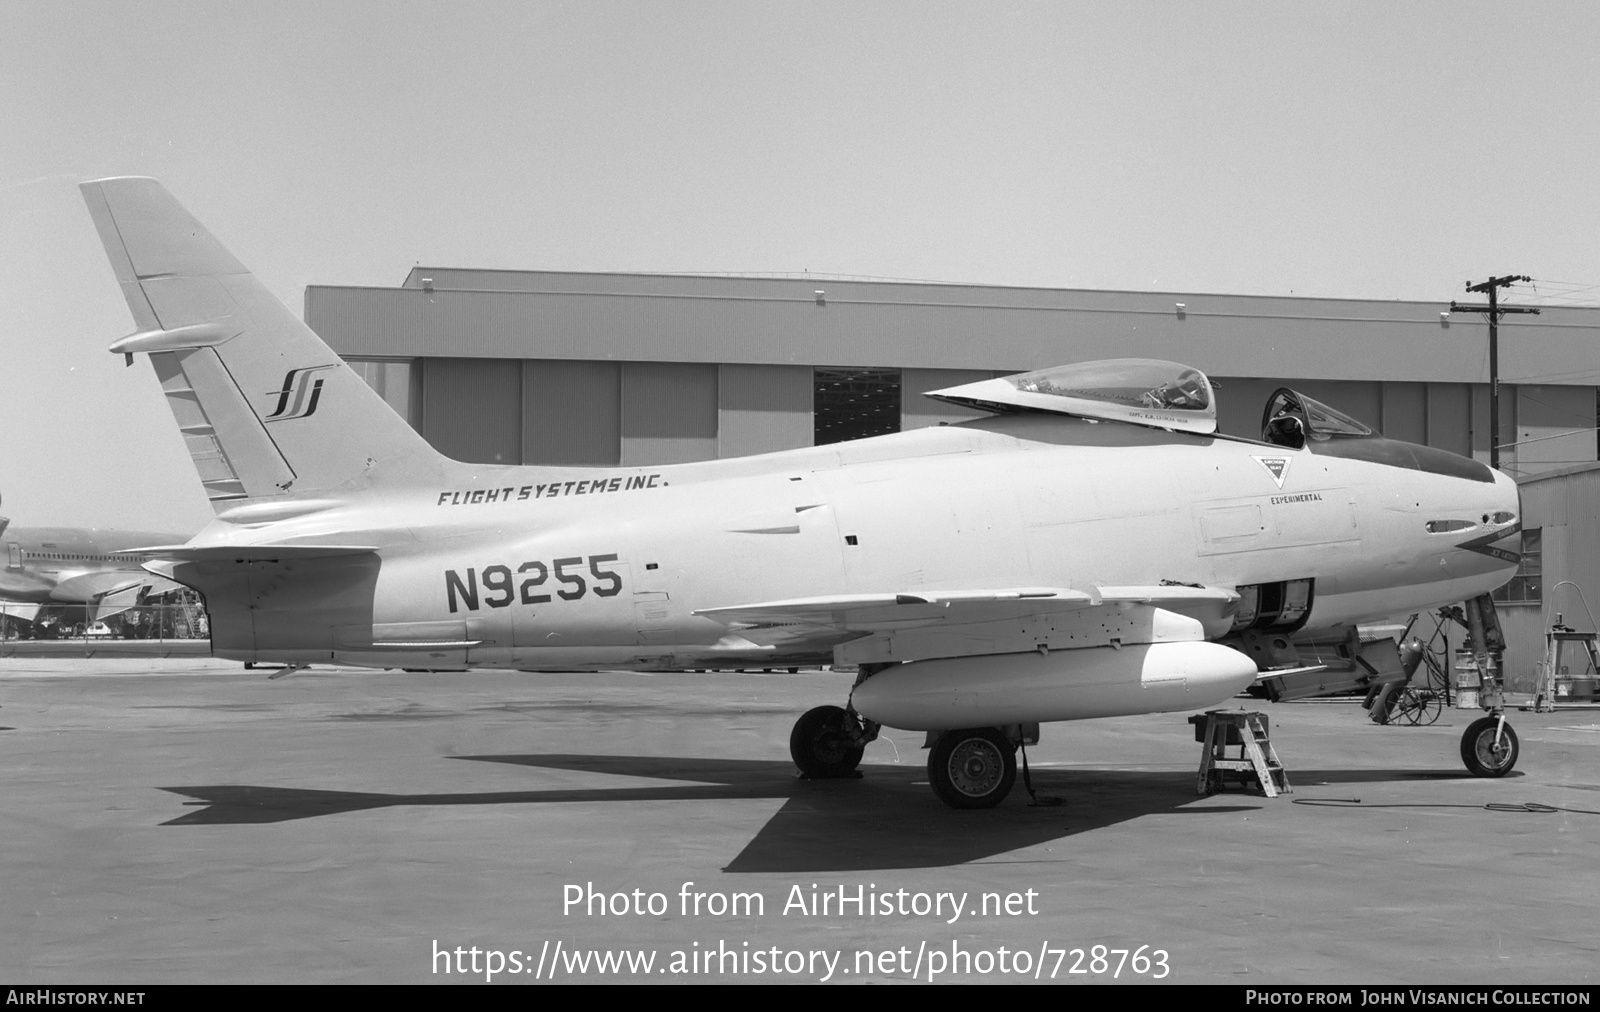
(266, 408)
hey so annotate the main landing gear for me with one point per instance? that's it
(827, 742)
(968, 768)
(972, 767)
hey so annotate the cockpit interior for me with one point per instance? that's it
(1291, 418)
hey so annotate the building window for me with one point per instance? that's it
(1527, 587)
(395, 380)
(854, 404)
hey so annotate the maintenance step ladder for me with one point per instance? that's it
(1561, 682)
(1220, 730)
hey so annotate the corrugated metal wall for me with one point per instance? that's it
(1450, 418)
(669, 412)
(1555, 426)
(1404, 412)
(605, 413)
(571, 412)
(472, 408)
(762, 408)
(778, 322)
(1565, 509)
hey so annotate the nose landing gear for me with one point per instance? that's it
(1489, 748)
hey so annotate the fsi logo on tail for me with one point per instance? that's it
(299, 396)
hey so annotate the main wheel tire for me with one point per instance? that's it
(820, 744)
(972, 768)
(1478, 749)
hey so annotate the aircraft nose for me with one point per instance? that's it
(1499, 550)
(1507, 494)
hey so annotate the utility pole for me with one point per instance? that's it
(1494, 311)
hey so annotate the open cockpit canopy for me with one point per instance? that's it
(1291, 418)
(1143, 391)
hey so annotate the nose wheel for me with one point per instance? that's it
(972, 768)
(1489, 748)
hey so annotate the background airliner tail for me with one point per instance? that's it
(266, 408)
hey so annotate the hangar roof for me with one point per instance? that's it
(816, 320)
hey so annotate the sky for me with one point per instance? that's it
(1357, 150)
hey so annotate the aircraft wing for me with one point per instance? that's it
(871, 612)
(19, 612)
(960, 622)
(91, 587)
(119, 601)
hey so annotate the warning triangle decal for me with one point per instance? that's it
(1278, 467)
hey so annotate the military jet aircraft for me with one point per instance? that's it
(1078, 554)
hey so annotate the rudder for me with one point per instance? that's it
(266, 408)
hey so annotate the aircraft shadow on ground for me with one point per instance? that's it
(887, 819)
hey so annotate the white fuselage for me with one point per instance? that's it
(541, 568)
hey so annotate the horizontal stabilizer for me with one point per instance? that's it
(248, 553)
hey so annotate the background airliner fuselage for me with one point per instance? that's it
(50, 571)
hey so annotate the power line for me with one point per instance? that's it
(1494, 311)
(1565, 294)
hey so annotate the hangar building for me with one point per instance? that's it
(546, 367)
